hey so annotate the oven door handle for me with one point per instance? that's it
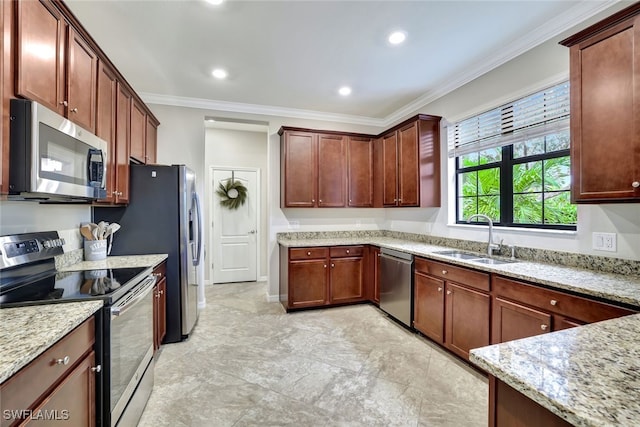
(144, 289)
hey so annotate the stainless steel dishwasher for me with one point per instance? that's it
(396, 280)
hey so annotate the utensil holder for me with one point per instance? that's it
(95, 250)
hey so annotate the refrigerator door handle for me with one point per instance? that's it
(198, 253)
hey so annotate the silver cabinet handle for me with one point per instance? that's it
(63, 103)
(74, 110)
(439, 289)
(635, 184)
(444, 271)
(63, 361)
(553, 302)
(320, 200)
(347, 250)
(97, 368)
(544, 327)
(448, 292)
(313, 200)
(325, 266)
(333, 265)
(309, 253)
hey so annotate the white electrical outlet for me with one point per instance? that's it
(605, 242)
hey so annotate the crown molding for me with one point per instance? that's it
(264, 110)
(559, 24)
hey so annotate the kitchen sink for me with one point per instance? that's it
(493, 261)
(480, 259)
(459, 254)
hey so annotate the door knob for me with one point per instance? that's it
(252, 232)
(635, 184)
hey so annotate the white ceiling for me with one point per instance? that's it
(287, 56)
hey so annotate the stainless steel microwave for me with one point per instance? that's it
(53, 159)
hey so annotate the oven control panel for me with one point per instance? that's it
(23, 248)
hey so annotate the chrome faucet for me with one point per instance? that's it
(491, 246)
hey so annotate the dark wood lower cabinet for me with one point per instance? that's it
(466, 319)
(428, 310)
(159, 306)
(512, 321)
(510, 408)
(346, 280)
(307, 283)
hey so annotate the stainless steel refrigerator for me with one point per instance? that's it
(163, 216)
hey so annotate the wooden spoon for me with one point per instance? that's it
(85, 230)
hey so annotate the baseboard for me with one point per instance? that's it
(273, 298)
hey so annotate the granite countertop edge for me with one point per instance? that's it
(548, 365)
(618, 288)
(29, 331)
(120, 261)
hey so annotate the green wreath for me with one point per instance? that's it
(232, 194)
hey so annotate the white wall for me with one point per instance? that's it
(238, 149)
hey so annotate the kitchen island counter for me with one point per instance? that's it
(589, 376)
(27, 332)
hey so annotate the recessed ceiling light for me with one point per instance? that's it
(397, 37)
(219, 73)
(215, 2)
(344, 91)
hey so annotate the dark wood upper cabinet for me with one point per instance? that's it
(106, 122)
(138, 127)
(360, 171)
(41, 31)
(332, 174)
(123, 134)
(298, 168)
(82, 66)
(410, 164)
(390, 169)
(151, 136)
(605, 109)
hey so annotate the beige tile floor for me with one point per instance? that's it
(248, 363)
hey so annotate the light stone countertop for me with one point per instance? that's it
(123, 261)
(589, 376)
(26, 332)
(614, 287)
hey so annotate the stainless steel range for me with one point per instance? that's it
(124, 327)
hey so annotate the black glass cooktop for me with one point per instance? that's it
(38, 285)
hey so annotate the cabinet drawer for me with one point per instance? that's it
(346, 251)
(308, 253)
(465, 276)
(27, 386)
(578, 308)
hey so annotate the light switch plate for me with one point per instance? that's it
(605, 242)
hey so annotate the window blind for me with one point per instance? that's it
(530, 117)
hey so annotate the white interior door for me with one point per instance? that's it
(235, 231)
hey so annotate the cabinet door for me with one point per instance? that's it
(408, 166)
(360, 172)
(512, 321)
(123, 125)
(299, 169)
(375, 268)
(82, 66)
(346, 280)
(73, 401)
(151, 135)
(389, 170)
(138, 127)
(307, 283)
(605, 115)
(6, 87)
(331, 171)
(429, 306)
(467, 319)
(106, 122)
(40, 49)
(162, 310)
